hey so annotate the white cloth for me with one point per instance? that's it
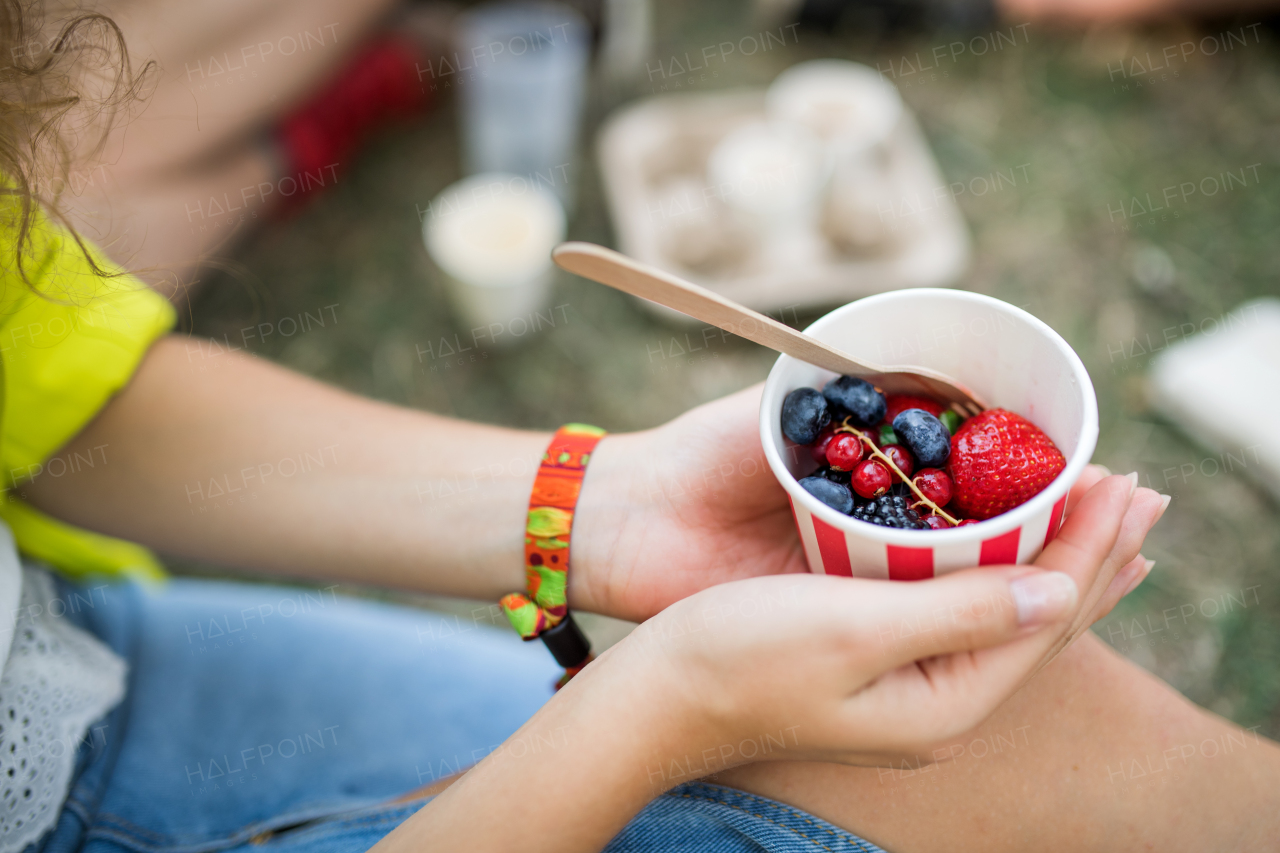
(57, 680)
(1223, 390)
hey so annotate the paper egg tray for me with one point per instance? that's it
(666, 213)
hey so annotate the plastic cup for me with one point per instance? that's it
(1007, 356)
(492, 236)
(521, 104)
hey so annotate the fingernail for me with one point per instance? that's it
(1106, 472)
(1133, 481)
(1043, 597)
(1142, 575)
(1164, 502)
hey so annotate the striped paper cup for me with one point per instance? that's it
(1008, 357)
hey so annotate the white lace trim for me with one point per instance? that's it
(57, 680)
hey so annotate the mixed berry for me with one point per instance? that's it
(905, 461)
(890, 511)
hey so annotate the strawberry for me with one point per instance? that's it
(1000, 460)
(897, 403)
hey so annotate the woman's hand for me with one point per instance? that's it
(868, 671)
(788, 667)
(671, 511)
(674, 510)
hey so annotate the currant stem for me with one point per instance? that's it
(883, 457)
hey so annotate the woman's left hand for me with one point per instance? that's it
(670, 511)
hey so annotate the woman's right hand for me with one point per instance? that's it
(867, 671)
(793, 666)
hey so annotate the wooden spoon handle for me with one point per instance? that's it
(630, 276)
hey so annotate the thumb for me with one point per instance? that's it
(968, 610)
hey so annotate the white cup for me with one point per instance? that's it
(1008, 357)
(521, 106)
(492, 236)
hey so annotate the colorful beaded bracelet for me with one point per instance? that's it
(543, 610)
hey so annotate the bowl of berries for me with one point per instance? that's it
(898, 486)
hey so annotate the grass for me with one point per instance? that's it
(1067, 143)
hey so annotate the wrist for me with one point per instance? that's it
(599, 554)
(705, 723)
(591, 749)
(672, 735)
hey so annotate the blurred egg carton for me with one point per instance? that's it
(814, 192)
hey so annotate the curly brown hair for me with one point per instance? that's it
(65, 85)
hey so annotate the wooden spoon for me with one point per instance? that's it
(630, 276)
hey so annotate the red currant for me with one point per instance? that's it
(844, 452)
(935, 522)
(935, 484)
(819, 447)
(901, 457)
(966, 521)
(871, 479)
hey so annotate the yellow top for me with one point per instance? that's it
(64, 352)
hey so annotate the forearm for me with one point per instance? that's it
(252, 465)
(569, 779)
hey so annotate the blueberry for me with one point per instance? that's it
(834, 495)
(925, 436)
(859, 397)
(804, 414)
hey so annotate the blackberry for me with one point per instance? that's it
(889, 511)
(838, 412)
(835, 475)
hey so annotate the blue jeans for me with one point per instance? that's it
(272, 717)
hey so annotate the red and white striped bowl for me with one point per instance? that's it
(1007, 356)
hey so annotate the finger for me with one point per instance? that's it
(967, 610)
(1126, 581)
(1081, 552)
(972, 683)
(1089, 534)
(1001, 658)
(970, 686)
(1088, 478)
(978, 609)
(1099, 538)
(1145, 509)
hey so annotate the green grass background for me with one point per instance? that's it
(1053, 104)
